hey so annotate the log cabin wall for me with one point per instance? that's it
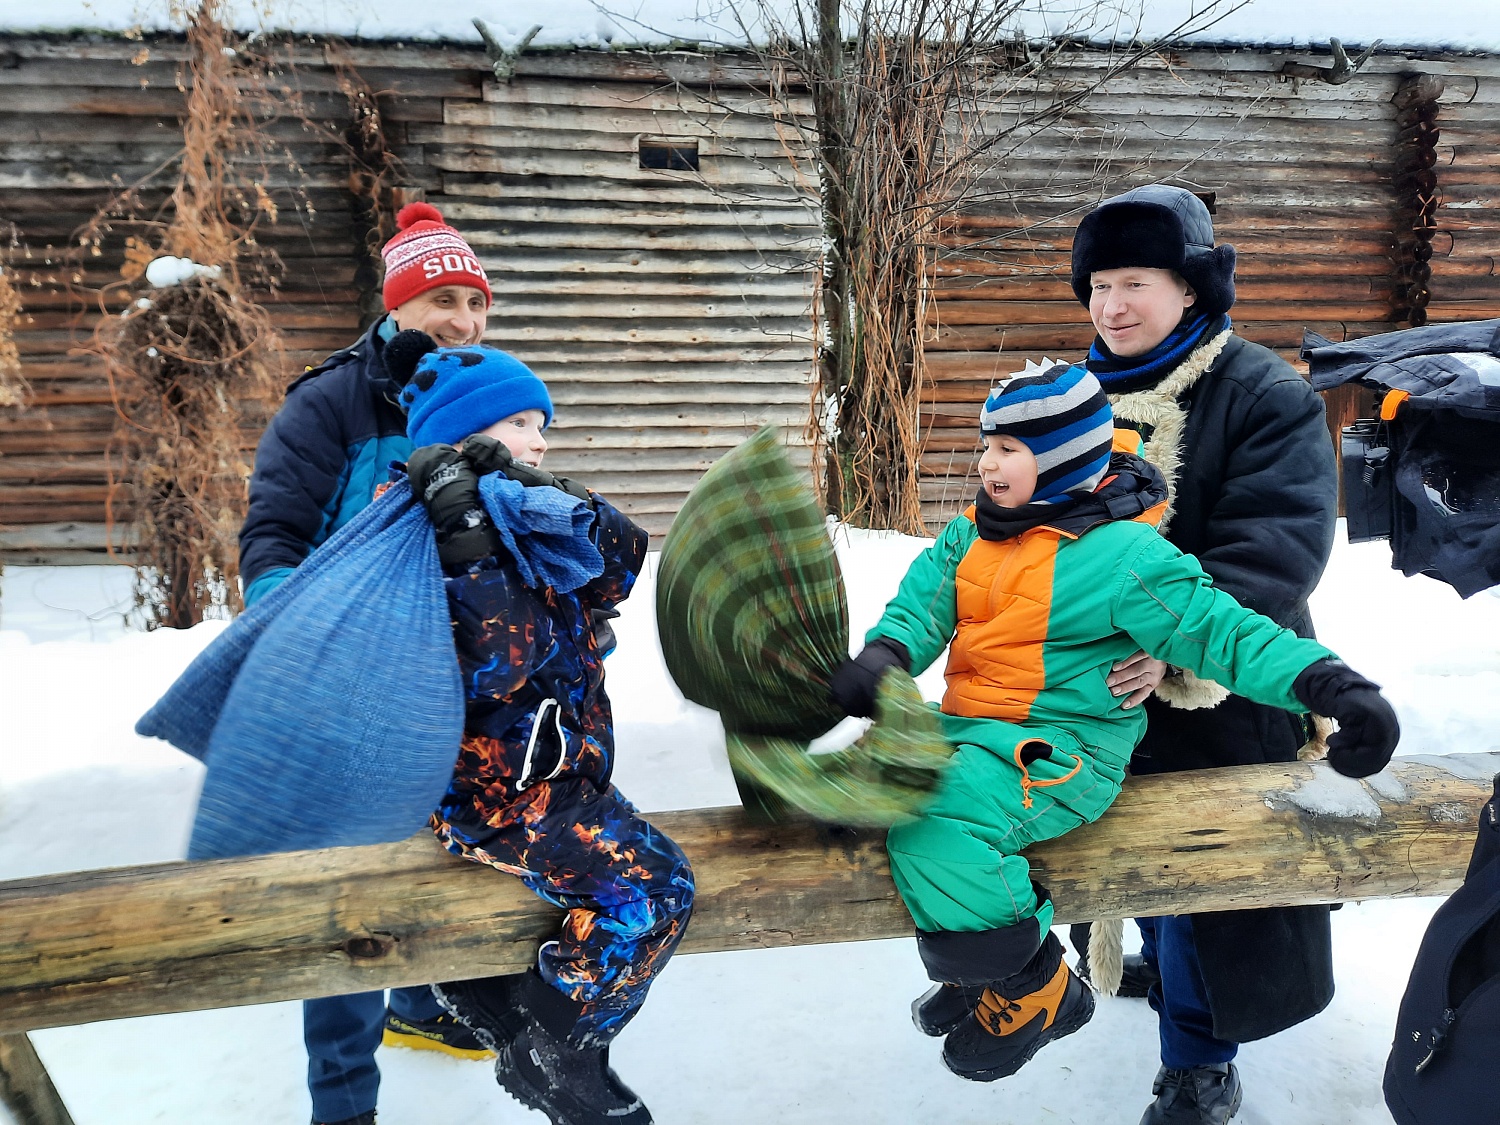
(1302, 177)
(668, 310)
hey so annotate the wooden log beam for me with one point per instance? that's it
(97, 945)
(25, 1087)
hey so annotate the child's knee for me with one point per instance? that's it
(930, 839)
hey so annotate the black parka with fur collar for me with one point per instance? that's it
(1242, 440)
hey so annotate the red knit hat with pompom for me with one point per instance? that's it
(425, 254)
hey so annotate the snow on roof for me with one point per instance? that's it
(1457, 25)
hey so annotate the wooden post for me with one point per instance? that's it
(25, 1088)
(178, 937)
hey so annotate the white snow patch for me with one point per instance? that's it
(1470, 767)
(1329, 793)
(167, 271)
(1388, 785)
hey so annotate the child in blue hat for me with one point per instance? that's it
(534, 565)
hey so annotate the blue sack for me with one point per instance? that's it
(329, 713)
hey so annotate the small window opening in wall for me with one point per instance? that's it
(672, 155)
(1208, 198)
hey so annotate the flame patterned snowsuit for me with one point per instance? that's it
(531, 792)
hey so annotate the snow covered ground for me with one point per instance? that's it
(812, 1035)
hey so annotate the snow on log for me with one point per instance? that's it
(98, 945)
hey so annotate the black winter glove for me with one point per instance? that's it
(490, 455)
(1368, 730)
(855, 681)
(446, 483)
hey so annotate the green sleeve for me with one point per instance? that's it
(1170, 607)
(924, 612)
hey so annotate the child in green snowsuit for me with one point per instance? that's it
(1055, 574)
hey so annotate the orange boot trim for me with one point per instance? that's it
(1000, 1016)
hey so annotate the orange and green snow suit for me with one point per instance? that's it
(1036, 620)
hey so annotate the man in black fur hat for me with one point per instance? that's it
(1242, 441)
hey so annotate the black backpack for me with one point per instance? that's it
(1444, 1061)
(1425, 474)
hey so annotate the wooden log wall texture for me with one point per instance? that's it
(669, 311)
(1302, 174)
(95, 945)
(1465, 281)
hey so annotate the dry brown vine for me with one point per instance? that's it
(184, 360)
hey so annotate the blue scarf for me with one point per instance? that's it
(1118, 374)
(546, 530)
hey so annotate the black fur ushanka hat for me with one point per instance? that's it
(1156, 227)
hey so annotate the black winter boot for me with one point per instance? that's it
(489, 1006)
(571, 1085)
(543, 1069)
(943, 1007)
(1006, 1032)
(1199, 1095)
(1137, 975)
(362, 1119)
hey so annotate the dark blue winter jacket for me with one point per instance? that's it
(321, 459)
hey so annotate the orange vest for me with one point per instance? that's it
(1004, 598)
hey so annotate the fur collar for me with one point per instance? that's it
(1163, 417)
(1160, 409)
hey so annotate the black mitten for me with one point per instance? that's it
(446, 483)
(855, 682)
(404, 351)
(1368, 730)
(490, 455)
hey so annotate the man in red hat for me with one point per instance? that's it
(318, 464)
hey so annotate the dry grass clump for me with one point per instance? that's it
(13, 388)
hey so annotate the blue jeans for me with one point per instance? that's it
(341, 1033)
(1180, 1000)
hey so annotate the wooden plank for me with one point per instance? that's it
(69, 536)
(608, 262)
(25, 1087)
(725, 124)
(491, 186)
(602, 212)
(107, 944)
(653, 97)
(611, 165)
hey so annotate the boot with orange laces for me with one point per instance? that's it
(1016, 1016)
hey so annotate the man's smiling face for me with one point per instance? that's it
(1134, 309)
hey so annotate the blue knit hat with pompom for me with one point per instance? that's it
(455, 392)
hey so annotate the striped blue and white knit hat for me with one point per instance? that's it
(1064, 418)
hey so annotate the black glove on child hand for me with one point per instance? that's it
(855, 682)
(1368, 730)
(446, 483)
(490, 455)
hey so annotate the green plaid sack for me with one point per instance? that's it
(753, 622)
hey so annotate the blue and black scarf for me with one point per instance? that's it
(1119, 375)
